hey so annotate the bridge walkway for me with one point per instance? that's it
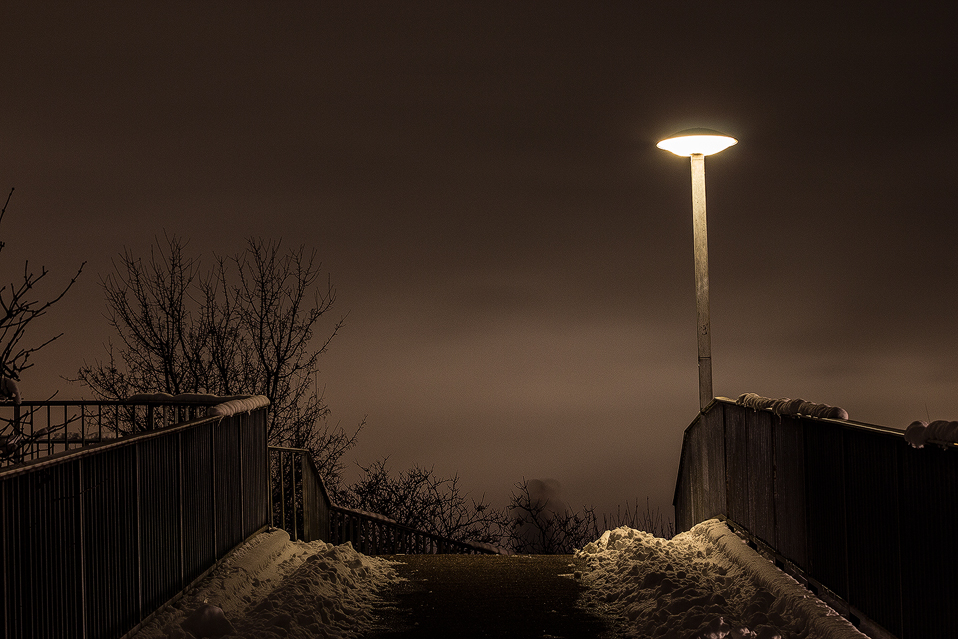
(473, 596)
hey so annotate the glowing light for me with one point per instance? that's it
(697, 142)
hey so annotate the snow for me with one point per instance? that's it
(702, 584)
(220, 405)
(9, 390)
(920, 432)
(274, 587)
(786, 406)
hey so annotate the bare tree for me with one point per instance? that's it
(420, 499)
(19, 307)
(541, 523)
(245, 326)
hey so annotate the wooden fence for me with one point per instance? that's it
(851, 506)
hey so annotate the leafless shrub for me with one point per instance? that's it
(541, 523)
(650, 520)
(420, 499)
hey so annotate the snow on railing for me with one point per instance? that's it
(786, 406)
(941, 432)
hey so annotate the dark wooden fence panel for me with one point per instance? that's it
(713, 440)
(790, 490)
(850, 505)
(760, 466)
(872, 489)
(825, 506)
(736, 464)
(928, 524)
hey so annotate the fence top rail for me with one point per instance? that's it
(372, 517)
(94, 449)
(838, 423)
(154, 399)
(843, 423)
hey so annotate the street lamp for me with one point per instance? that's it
(696, 144)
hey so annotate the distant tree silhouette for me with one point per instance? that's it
(246, 325)
(19, 307)
(536, 521)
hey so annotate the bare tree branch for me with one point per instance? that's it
(18, 308)
(244, 325)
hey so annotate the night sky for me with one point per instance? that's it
(481, 182)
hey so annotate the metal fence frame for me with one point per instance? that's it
(51, 427)
(96, 539)
(849, 506)
(300, 504)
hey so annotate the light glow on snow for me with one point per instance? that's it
(702, 584)
(272, 586)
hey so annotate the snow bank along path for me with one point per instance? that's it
(702, 584)
(274, 587)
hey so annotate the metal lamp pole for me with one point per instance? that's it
(696, 144)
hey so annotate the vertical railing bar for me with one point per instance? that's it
(269, 484)
(139, 528)
(182, 497)
(243, 477)
(82, 523)
(213, 438)
(305, 489)
(49, 429)
(4, 552)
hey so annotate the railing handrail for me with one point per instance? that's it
(379, 520)
(100, 447)
(97, 538)
(186, 399)
(40, 429)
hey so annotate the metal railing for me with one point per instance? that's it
(850, 506)
(301, 505)
(36, 429)
(372, 534)
(96, 539)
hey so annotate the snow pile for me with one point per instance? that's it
(703, 584)
(273, 587)
(238, 405)
(919, 433)
(786, 406)
(9, 390)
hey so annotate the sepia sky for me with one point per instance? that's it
(481, 182)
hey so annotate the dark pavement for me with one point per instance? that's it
(463, 596)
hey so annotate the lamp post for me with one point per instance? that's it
(696, 144)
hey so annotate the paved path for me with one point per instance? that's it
(465, 596)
